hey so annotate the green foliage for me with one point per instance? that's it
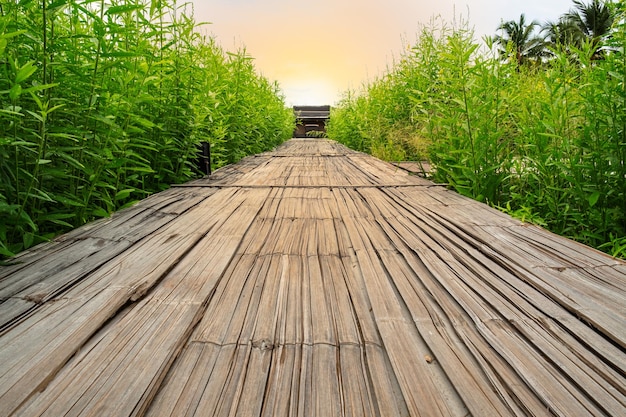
(517, 41)
(104, 102)
(546, 144)
(316, 134)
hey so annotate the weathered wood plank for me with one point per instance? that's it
(39, 346)
(283, 384)
(312, 280)
(126, 279)
(69, 260)
(391, 320)
(516, 301)
(182, 390)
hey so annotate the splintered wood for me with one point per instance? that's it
(312, 281)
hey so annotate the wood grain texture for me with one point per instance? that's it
(312, 281)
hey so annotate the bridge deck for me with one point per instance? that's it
(312, 281)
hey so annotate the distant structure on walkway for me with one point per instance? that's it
(310, 118)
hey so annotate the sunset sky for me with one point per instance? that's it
(317, 49)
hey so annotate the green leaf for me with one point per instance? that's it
(26, 218)
(123, 9)
(28, 239)
(5, 252)
(12, 110)
(71, 161)
(15, 92)
(35, 115)
(121, 54)
(593, 198)
(39, 87)
(72, 202)
(100, 212)
(26, 71)
(57, 216)
(129, 204)
(122, 194)
(108, 120)
(12, 34)
(58, 4)
(143, 122)
(58, 219)
(57, 107)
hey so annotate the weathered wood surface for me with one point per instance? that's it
(421, 168)
(312, 281)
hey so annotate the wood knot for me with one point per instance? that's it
(35, 298)
(263, 344)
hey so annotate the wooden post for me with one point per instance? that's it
(204, 157)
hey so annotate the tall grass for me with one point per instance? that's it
(546, 144)
(104, 102)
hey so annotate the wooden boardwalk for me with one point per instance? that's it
(312, 281)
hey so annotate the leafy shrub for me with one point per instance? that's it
(545, 143)
(104, 102)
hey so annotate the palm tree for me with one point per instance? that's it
(594, 20)
(518, 37)
(563, 33)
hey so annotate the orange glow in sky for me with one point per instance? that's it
(318, 49)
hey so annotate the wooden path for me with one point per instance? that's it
(312, 281)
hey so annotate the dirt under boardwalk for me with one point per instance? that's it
(312, 281)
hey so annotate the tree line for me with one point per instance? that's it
(530, 42)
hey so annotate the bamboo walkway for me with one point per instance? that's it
(312, 281)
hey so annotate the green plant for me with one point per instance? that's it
(104, 102)
(545, 143)
(316, 134)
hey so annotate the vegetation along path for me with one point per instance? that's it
(312, 281)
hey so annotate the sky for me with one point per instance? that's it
(318, 49)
